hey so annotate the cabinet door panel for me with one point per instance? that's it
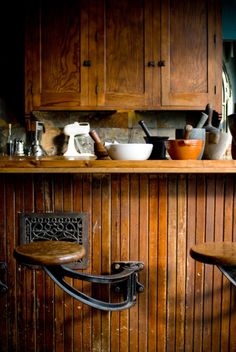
(126, 75)
(58, 49)
(189, 52)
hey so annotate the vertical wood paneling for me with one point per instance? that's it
(232, 336)
(28, 289)
(208, 278)
(68, 306)
(171, 255)
(58, 295)
(190, 264)
(87, 206)
(181, 260)
(217, 281)
(20, 274)
(96, 259)
(3, 258)
(105, 255)
(115, 254)
(162, 264)
(199, 278)
(11, 267)
(125, 243)
(40, 185)
(134, 252)
(49, 285)
(77, 306)
(152, 265)
(186, 306)
(227, 228)
(143, 256)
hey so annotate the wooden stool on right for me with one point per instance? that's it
(221, 254)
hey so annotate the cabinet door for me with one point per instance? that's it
(191, 58)
(57, 45)
(125, 54)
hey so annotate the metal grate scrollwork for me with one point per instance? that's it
(56, 226)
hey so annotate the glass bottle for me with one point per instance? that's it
(10, 142)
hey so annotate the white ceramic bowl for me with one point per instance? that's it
(130, 151)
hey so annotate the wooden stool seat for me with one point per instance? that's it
(49, 252)
(216, 253)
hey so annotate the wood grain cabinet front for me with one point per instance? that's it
(191, 46)
(135, 54)
(57, 62)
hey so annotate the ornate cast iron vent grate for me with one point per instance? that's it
(58, 227)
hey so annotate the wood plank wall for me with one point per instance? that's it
(153, 218)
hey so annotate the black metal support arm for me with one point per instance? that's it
(230, 272)
(124, 278)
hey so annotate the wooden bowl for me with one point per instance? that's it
(184, 149)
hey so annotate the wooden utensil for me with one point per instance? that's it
(99, 149)
(187, 131)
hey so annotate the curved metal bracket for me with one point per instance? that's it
(229, 271)
(124, 279)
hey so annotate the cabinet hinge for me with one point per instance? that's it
(214, 39)
(96, 89)
(31, 88)
(215, 89)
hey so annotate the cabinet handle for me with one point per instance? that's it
(161, 63)
(151, 64)
(87, 63)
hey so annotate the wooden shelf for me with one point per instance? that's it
(64, 165)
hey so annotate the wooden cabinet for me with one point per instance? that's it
(191, 50)
(125, 54)
(57, 60)
(136, 54)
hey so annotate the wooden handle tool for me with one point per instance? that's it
(99, 149)
(187, 131)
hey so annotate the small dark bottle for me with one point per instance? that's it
(10, 142)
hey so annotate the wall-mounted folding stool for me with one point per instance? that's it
(52, 255)
(221, 254)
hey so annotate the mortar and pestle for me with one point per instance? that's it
(231, 119)
(185, 148)
(159, 149)
(99, 149)
(216, 141)
(193, 133)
